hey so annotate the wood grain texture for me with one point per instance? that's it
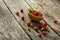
(52, 13)
(15, 6)
(9, 28)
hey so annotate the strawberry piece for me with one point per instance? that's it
(42, 25)
(40, 35)
(22, 18)
(43, 29)
(21, 10)
(35, 28)
(43, 32)
(55, 21)
(17, 13)
(29, 24)
(36, 13)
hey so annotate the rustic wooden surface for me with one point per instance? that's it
(13, 28)
(9, 28)
(52, 12)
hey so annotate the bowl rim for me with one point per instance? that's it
(36, 16)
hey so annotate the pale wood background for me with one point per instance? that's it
(13, 28)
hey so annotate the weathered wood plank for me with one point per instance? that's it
(56, 2)
(54, 13)
(9, 28)
(16, 5)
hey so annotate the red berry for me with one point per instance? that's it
(29, 24)
(43, 32)
(17, 13)
(35, 28)
(43, 29)
(55, 21)
(39, 35)
(42, 25)
(22, 18)
(36, 13)
(21, 10)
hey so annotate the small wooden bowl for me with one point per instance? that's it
(35, 18)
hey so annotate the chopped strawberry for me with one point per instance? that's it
(21, 10)
(29, 24)
(22, 18)
(36, 13)
(42, 25)
(43, 32)
(17, 13)
(43, 29)
(55, 21)
(39, 35)
(35, 28)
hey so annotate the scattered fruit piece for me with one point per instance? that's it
(17, 13)
(21, 10)
(22, 18)
(43, 29)
(29, 24)
(36, 13)
(42, 25)
(35, 28)
(55, 21)
(43, 32)
(30, 10)
(39, 35)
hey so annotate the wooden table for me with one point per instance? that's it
(13, 28)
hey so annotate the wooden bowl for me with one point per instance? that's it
(35, 18)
